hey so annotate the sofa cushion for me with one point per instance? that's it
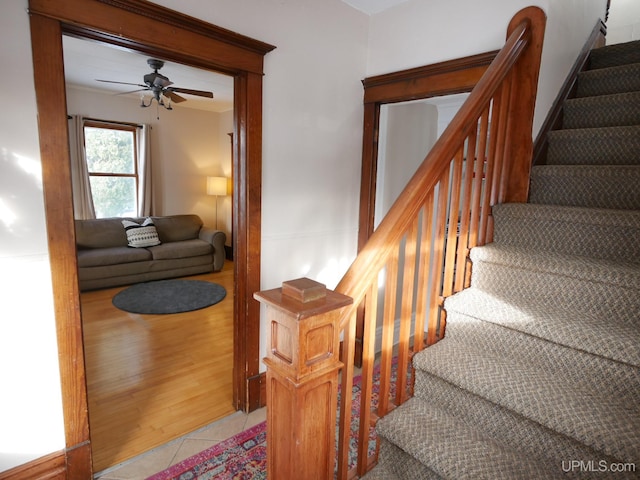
(183, 249)
(141, 235)
(176, 228)
(100, 233)
(111, 256)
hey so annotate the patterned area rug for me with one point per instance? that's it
(244, 456)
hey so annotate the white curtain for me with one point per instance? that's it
(81, 188)
(145, 197)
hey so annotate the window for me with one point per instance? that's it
(112, 163)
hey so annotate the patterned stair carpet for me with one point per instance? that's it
(538, 375)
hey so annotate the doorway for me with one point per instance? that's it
(144, 27)
(141, 368)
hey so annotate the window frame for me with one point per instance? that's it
(133, 129)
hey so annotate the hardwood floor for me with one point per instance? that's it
(154, 378)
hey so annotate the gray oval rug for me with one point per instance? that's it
(169, 296)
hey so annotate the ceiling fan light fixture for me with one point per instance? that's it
(160, 88)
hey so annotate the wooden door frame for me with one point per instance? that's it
(444, 78)
(144, 27)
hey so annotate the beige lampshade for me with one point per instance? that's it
(217, 186)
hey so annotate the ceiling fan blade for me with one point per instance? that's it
(198, 93)
(122, 83)
(175, 98)
(132, 91)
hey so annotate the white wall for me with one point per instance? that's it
(425, 33)
(407, 133)
(187, 145)
(31, 422)
(624, 21)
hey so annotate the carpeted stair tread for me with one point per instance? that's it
(595, 146)
(617, 54)
(599, 233)
(587, 285)
(602, 111)
(564, 328)
(618, 274)
(603, 425)
(596, 186)
(509, 427)
(564, 343)
(610, 80)
(453, 449)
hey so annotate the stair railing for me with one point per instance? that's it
(416, 258)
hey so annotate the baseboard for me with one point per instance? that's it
(49, 467)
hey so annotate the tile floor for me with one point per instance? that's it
(163, 457)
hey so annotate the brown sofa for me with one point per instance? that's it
(186, 247)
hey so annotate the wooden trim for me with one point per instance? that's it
(443, 78)
(553, 120)
(145, 27)
(46, 36)
(263, 389)
(49, 467)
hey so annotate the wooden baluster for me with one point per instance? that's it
(302, 378)
(346, 401)
(452, 227)
(408, 284)
(434, 330)
(388, 320)
(426, 243)
(366, 382)
(463, 239)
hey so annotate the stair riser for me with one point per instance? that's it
(611, 187)
(498, 422)
(597, 241)
(617, 54)
(608, 81)
(558, 360)
(572, 292)
(403, 465)
(595, 146)
(602, 111)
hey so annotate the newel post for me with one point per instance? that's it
(519, 141)
(303, 364)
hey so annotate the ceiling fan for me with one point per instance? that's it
(160, 87)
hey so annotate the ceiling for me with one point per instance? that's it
(86, 61)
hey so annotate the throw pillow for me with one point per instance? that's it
(140, 236)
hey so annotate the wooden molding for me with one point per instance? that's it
(443, 78)
(49, 467)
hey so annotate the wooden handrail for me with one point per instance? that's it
(416, 258)
(373, 256)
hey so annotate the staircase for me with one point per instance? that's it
(538, 375)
